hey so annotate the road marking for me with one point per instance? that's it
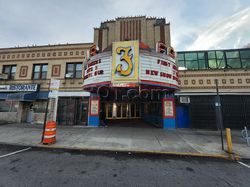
(243, 164)
(9, 154)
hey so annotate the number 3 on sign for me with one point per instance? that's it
(127, 58)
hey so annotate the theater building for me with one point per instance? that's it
(131, 81)
(152, 90)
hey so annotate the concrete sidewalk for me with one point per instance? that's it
(176, 141)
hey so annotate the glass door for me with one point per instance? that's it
(122, 110)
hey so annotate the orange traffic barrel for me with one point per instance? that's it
(49, 135)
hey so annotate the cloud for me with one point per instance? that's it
(219, 33)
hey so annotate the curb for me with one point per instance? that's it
(137, 151)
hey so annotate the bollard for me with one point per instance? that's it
(229, 142)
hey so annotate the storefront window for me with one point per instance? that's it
(8, 106)
(39, 107)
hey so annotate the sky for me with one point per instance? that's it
(195, 24)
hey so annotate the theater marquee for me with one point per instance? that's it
(125, 66)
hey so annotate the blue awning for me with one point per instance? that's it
(3, 96)
(25, 96)
(42, 95)
(22, 96)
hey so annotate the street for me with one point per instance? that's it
(54, 167)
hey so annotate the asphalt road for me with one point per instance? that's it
(48, 167)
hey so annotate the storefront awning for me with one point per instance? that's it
(22, 96)
(3, 96)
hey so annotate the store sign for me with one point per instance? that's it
(125, 60)
(19, 88)
(54, 84)
(97, 70)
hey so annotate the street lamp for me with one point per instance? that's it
(219, 120)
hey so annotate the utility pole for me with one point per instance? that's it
(219, 119)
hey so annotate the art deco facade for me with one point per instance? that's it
(148, 30)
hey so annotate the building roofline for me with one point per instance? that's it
(214, 50)
(41, 46)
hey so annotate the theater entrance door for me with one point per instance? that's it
(123, 111)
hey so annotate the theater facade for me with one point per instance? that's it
(129, 81)
(127, 77)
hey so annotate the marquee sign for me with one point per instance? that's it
(98, 70)
(19, 88)
(125, 63)
(160, 71)
(126, 67)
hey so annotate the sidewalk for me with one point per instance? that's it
(175, 141)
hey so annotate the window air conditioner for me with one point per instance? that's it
(69, 75)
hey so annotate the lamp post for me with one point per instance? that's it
(219, 119)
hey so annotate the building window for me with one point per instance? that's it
(10, 70)
(74, 70)
(40, 71)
